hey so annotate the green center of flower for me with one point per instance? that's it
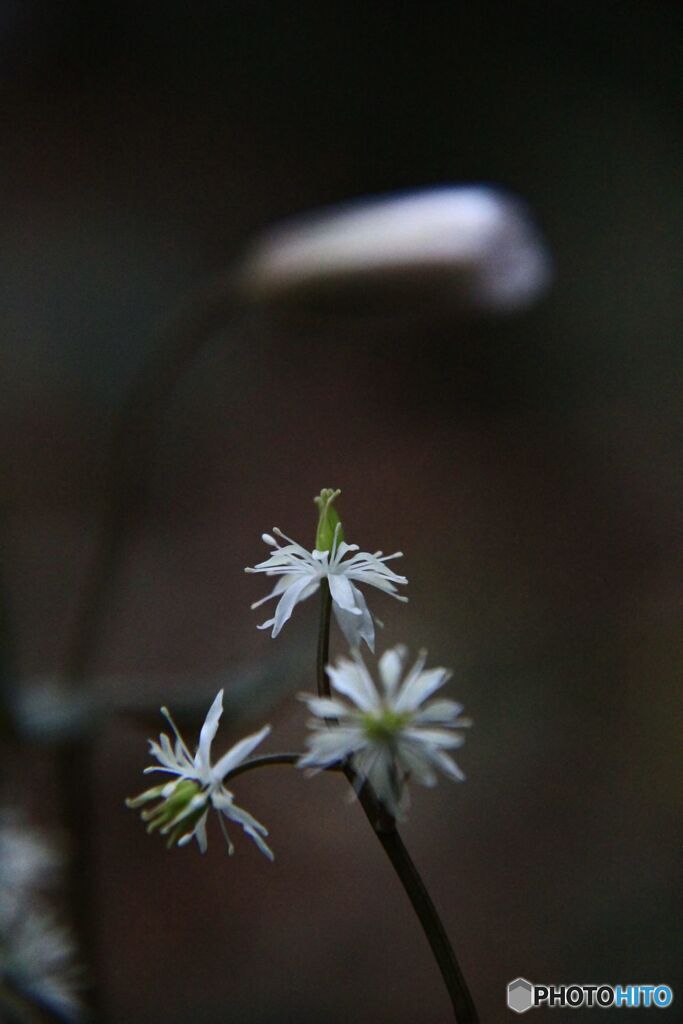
(178, 813)
(383, 726)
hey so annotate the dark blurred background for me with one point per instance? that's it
(529, 468)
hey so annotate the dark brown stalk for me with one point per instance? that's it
(384, 827)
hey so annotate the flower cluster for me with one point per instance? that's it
(388, 733)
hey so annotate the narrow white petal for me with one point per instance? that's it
(435, 737)
(325, 707)
(356, 628)
(352, 679)
(209, 729)
(342, 593)
(390, 668)
(448, 766)
(279, 588)
(415, 764)
(330, 745)
(238, 753)
(289, 599)
(419, 685)
(200, 832)
(439, 712)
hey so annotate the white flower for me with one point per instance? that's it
(36, 960)
(301, 571)
(467, 247)
(27, 864)
(36, 953)
(198, 786)
(390, 733)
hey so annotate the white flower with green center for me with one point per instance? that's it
(301, 572)
(389, 733)
(184, 803)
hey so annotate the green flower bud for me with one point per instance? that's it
(330, 533)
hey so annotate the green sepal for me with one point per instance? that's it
(329, 533)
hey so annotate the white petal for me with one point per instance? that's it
(354, 627)
(253, 828)
(419, 685)
(352, 679)
(325, 707)
(390, 668)
(289, 599)
(342, 593)
(448, 766)
(203, 757)
(415, 764)
(282, 583)
(237, 754)
(200, 832)
(330, 745)
(434, 737)
(440, 712)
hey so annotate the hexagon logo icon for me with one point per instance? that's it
(520, 995)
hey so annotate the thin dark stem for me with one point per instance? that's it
(411, 880)
(384, 827)
(262, 762)
(324, 639)
(265, 760)
(134, 436)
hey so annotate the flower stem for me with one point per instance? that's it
(132, 447)
(384, 827)
(261, 762)
(324, 639)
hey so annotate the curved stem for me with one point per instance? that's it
(211, 308)
(132, 446)
(384, 827)
(262, 762)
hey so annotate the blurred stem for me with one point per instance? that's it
(384, 827)
(8, 674)
(132, 446)
(210, 309)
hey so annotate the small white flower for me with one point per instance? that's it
(301, 571)
(36, 953)
(27, 864)
(390, 733)
(198, 785)
(37, 961)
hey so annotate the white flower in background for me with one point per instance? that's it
(37, 963)
(36, 953)
(198, 785)
(27, 863)
(458, 248)
(301, 572)
(391, 733)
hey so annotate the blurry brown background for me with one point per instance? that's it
(529, 469)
